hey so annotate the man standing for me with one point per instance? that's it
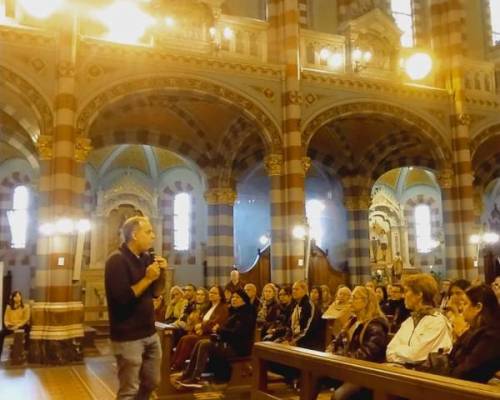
(133, 277)
(235, 283)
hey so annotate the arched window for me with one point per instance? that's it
(18, 217)
(423, 228)
(403, 15)
(495, 21)
(182, 221)
(314, 211)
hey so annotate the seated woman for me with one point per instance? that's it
(201, 306)
(476, 354)
(17, 316)
(426, 330)
(281, 326)
(215, 315)
(455, 306)
(339, 311)
(316, 296)
(383, 300)
(327, 297)
(364, 337)
(269, 310)
(176, 305)
(235, 339)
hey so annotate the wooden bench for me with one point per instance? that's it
(387, 382)
(17, 353)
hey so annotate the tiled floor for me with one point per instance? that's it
(93, 380)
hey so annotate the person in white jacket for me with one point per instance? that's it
(427, 330)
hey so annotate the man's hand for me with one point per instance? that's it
(162, 262)
(153, 271)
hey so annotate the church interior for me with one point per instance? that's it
(337, 141)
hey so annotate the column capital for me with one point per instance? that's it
(445, 178)
(306, 164)
(274, 164)
(220, 196)
(357, 203)
(464, 119)
(44, 146)
(83, 146)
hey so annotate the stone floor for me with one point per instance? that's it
(95, 379)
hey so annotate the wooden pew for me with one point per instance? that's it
(17, 353)
(387, 382)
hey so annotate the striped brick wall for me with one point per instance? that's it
(357, 204)
(166, 204)
(409, 213)
(303, 13)
(220, 240)
(420, 23)
(352, 9)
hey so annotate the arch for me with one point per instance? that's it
(487, 171)
(338, 111)
(482, 135)
(38, 103)
(269, 128)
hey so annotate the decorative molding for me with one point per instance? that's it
(274, 164)
(220, 196)
(83, 146)
(464, 119)
(44, 146)
(33, 97)
(294, 97)
(306, 164)
(365, 84)
(66, 69)
(266, 91)
(256, 114)
(445, 178)
(27, 36)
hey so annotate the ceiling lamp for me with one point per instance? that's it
(40, 8)
(125, 21)
(418, 66)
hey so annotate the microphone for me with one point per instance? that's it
(152, 254)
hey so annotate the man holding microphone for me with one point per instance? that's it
(134, 275)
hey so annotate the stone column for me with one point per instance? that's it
(57, 314)
(358, 243)
(274, 168)
(220, 243)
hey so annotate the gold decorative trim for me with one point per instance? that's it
(66, 69)
(306, 164)
(220, 196)
(31, 37)
(274, 164)
(44, 146)
(83, 146)
(445, 178)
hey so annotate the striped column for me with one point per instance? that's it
(57, 315)
(450, 223)
(357, 205)
(303, 13)
(220, 242)
(420, 23)
(274, 168)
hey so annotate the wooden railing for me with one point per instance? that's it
(386, 381)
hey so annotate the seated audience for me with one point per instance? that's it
(17, 316)
(476, 354)
(326, 295)
(316, 296)
(191, 304)
(235, 283)
(234, 339)
(364, 337)
(370, 285)
(305, 323)
(339, 311)
(269, 308)
(176, 305)
(455, 306)
(227, 295)
(383, 301)
(427, 330)
(397, 308)
(251, 291)
(495, 285)
(216, 315)
(281, 326)
(160, 308)
(444, 293)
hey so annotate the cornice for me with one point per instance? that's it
(27, 37)
(98, 48)
(376, 86)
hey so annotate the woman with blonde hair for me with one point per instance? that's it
(269, 310)
(364, 337)
(176, 304)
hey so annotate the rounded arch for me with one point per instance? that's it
(32, 96)
(269, 128)
(341, 110)
(482, 135)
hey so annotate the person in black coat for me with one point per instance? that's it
(476, 354)
(234, 339)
